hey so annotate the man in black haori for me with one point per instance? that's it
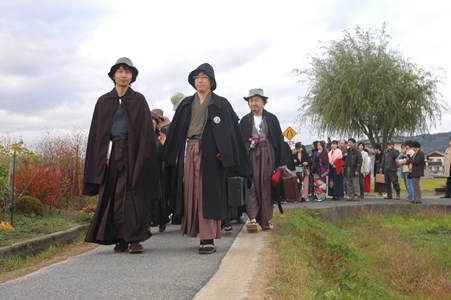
(263, 137)
(127, 179)
(205, 145)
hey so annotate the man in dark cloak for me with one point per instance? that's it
(204, 143)
(127, 178)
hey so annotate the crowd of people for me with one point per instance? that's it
(344, 171)
(149, 171)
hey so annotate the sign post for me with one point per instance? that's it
(289, 133)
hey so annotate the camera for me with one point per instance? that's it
(253, 144)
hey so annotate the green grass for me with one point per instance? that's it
(405, 256)
(426, 184)
(14, 263)
(28, 227)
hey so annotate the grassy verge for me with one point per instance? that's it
(426, 184)
(373, 257)
(28, 227)
(14, 267)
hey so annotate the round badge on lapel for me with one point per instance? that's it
(217, 120)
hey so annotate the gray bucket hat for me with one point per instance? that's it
(176, 99)
(256, 92)
(123, 61)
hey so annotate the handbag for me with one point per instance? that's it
(380, 178)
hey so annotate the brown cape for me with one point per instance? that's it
(142, 170)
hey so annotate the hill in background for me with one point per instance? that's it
(432, 142)
(429, 142)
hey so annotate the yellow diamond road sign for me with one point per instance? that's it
(289, 133)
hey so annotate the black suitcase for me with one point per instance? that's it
(236, 191)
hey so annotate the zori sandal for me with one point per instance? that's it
(252, 227)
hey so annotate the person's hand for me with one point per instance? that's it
(356, 173)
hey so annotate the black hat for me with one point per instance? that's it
(390, 142)
(415, 144)
(123, 61)
(207, 69)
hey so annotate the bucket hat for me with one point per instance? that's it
(207, 69)
(256, 92)
(123, 61)
(176, 99)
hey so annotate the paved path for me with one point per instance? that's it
(170, 268)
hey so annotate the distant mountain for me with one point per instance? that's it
(432, 142)
(429, 142)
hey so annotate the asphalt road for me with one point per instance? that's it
(169, 268)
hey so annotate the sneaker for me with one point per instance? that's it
(135, 248)
(162, 228)
(207, 248)
(120, 247)
(319, 200)
(355, 199)
(388, 198)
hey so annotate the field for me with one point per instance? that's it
(405, 256)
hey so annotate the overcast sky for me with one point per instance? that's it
(55, 54)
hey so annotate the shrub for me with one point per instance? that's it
(6, 226)
(44, 181)
(28, 205)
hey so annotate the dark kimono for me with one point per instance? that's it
(222, 151)
(378, 161)
(128, 180)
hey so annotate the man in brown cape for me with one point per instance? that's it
(127, 180)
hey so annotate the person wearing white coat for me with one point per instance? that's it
(365, 169)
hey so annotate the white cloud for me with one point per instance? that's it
(55, 57)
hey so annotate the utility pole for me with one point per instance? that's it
(12, 187)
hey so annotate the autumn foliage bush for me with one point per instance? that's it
(43, 181)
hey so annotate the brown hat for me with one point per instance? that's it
(157, 114)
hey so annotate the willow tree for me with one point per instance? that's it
(358, 87)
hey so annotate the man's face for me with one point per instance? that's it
(256, 104)
(123, 77)
(403, 149)
(202, 82)
(342, 144)
(351, 144)
(389, 146)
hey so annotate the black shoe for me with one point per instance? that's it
(227, 230)
(388, 198)
(207, 247)
(120, 247)
(162, 228)
(135, 248)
